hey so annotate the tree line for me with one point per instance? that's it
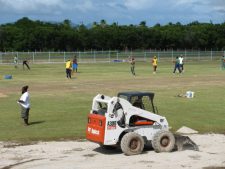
(29, 35)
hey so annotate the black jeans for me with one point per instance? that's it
(68, 73)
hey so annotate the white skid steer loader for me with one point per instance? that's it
(128, 121)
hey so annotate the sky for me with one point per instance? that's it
(123, 12)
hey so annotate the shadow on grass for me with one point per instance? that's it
(36, 122)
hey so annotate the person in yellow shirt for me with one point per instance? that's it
(68, 69)
(154, 64)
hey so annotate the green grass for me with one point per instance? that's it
(60, 106)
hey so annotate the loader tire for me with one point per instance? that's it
(163, 141)
(132, 144)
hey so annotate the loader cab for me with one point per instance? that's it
(101, 109)
(143, 100)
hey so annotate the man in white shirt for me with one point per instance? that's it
(181, 63)
(24, 102)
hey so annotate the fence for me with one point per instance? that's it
(109, 56)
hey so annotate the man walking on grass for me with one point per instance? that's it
(68, 69)
(177, 65)
(154, 64)
(132, 65)
(24, 102)
(181, 59)
(25, 62)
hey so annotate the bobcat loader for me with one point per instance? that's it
(128, 121)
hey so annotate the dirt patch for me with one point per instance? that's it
(213, 167)
(195, 157)
(83, 155)
(13, 145)
(20, 163)
(89, 155)
(3, 95)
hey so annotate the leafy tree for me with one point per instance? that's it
(26, 34)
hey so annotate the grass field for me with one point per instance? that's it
(60, 106)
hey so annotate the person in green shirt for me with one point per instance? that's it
(15, 60)
(132, 65)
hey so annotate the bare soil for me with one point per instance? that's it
(83, 155)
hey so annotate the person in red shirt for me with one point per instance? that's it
(75, 64)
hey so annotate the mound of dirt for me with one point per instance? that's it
(186, 130)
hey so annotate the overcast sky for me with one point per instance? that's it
(124, 12)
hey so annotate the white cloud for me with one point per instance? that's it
(123, 11)
(218, 5)
(32, 6)
(29, 5)
(84, 5)
(184, 2)
(138, 4)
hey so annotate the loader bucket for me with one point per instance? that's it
(184, 143)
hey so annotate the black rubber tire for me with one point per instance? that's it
(132, 144)
(163, 141)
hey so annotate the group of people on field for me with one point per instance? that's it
(70, 65)
(179, 64)
(24, 100)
